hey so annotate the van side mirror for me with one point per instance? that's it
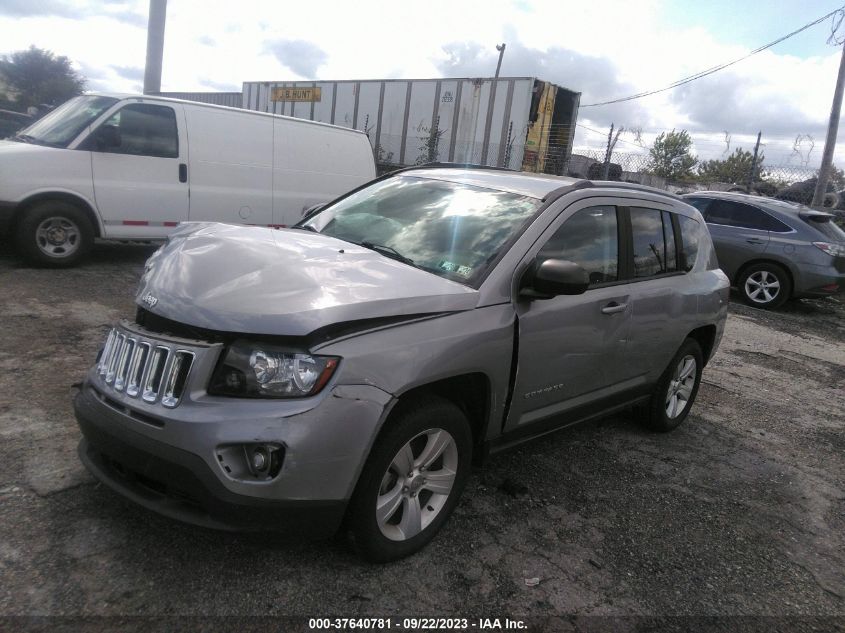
(552, 277)
(105, 138)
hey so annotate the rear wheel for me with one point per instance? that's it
(765, 285)
(412, 480)
(54, 233)
(676, 390)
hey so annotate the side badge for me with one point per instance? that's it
(150, 300)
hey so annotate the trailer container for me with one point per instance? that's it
(515, 122)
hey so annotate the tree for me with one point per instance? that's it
(670, 156)
(37, 76)
(735, 168)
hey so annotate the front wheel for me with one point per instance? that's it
(54, 233)
(412, 480)
(677, 388)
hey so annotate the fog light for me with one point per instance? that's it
(259, 459)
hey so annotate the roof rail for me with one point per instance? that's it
(634, 187)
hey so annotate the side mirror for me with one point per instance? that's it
(311, 211)
(107, 137)
(552, 277)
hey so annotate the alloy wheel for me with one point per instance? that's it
(417, 484)
(762, 286)
(680, 387)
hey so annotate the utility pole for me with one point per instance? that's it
(155, 46)
(501, 49)
(753, 164)
(830, 141)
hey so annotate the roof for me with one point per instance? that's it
(200, 104)
(784, 206)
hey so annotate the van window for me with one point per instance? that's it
(653, 241)
(690, 238)
(590, 239)
(143, 129)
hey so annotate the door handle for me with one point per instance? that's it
(755, 240)
(613, 307)
(183, 172)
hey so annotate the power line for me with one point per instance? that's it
(714, 69)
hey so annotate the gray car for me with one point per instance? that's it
(773, 250)
(349, 370)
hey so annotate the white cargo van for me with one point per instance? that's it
(134, 167)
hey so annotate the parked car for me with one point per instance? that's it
(134, 167)
(773, 250)
(351, 367)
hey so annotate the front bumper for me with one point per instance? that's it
(167, 459)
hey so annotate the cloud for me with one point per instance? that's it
(595, 77)
(221, 86)
(205, 40)
(60, 8)
(302, 57)
(129, 72)
(741, 105)
(28, 8)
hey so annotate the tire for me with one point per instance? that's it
(765, 285)
(675, 392)
(413, 511)
(55, 234)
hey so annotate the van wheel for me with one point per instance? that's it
(54, 233)
(412, 480)
(676, 390)
(765, 285)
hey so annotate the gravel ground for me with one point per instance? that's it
(740, 512)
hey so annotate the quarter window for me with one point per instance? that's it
(590, 239)
(691, 238)
(653, 242)
(141, 129)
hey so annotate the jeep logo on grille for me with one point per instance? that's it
(150, 300)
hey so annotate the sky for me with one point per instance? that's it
(604, 50)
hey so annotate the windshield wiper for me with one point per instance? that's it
(304, 227)
(390, 252)
(28, 138)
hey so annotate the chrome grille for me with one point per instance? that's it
(152, 370)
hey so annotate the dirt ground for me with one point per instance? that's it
(739, 512)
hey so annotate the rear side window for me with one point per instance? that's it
(590, 239)
(729, 213)
(691, 231)
(653, 242)
(824, 224)
(144, 129)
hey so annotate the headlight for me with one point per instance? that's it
(265, 371)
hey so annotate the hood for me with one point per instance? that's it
(284, 282)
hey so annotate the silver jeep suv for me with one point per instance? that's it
(348, 370)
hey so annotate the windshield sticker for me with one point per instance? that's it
(452, 267)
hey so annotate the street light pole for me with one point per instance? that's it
(155, 46)
(501, 49)
(830, 141)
